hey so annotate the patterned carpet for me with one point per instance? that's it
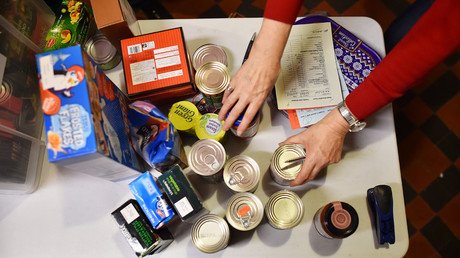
(427, 120)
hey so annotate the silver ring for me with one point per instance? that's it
(230, 89)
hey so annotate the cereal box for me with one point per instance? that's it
(86, 122)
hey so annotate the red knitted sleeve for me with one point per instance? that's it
(433, 38)
(282, 10)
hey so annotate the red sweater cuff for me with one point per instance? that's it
(433, 38)
(282, 10)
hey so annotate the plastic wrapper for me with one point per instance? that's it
(154, 137)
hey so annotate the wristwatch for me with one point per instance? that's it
(355, 124)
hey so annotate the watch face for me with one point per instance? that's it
(358, 126)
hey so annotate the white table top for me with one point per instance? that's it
(69, 214)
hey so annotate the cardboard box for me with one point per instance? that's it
(116, 20)
(136, 228)
(180, 193)
(157, 67)
(85, 115)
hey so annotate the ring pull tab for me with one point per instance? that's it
(244, 214)
(236, 178)
(211, 162)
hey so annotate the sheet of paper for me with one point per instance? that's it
(306, 117)
(308, 77)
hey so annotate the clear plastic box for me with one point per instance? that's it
(23, 27)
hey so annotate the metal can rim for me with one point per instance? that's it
(201, 72)
(200, 143)
(91, 42)
(271, 213)
(249, 197)
(276, 167)
(207, 47)
(252, 184)
(222, 226)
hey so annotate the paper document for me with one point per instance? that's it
(308, 77)
(306, 117)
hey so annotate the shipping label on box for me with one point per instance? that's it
(86, 120)
(156, 62)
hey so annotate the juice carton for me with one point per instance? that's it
(85, 115)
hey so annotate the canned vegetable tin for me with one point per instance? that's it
(336, 220)
(208, 53)
(252, 129)
(282, 171)
(209, 127)
(212, 79)
(242, 174)
(284, 209)
(207, 158)
(184, 115)
(244, 211)
(210, 233)
(102, 51)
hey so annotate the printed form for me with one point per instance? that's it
(308, 77)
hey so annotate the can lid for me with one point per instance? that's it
(280, 166)
(183, 115)
(241, 173)
(212, 78)
(210, 233)
(340, 219)
(5, 91)
(209, 127)
(209, 53)
(244, 211)
(284, 209)
(206, 157)
(100, 48)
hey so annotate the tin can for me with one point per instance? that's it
(5, 91)
(336, 220)
(208, 53)
(284, 209)
(209, 127)
(210, 233)
(212, 79)
(284, 172)
(207, 158)
(252, 129)
(244, 211)
(102, 51)
(242, 174)
(184, 115)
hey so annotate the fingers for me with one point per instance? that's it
(235, 112)
(249, 115)
(307, 167)
(230, 100)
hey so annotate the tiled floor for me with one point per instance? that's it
(427, 122)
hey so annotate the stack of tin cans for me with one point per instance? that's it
(212, 76)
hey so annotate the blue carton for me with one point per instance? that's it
(151, 200)
(85, 115)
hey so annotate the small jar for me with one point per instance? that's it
(336, 220)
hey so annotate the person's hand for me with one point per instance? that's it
(255, 79)
(323, 143)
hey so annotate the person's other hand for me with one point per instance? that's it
(255, 79)
(323, 143)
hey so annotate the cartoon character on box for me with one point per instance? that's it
(60, 81)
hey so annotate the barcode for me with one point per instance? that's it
(134, 49)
